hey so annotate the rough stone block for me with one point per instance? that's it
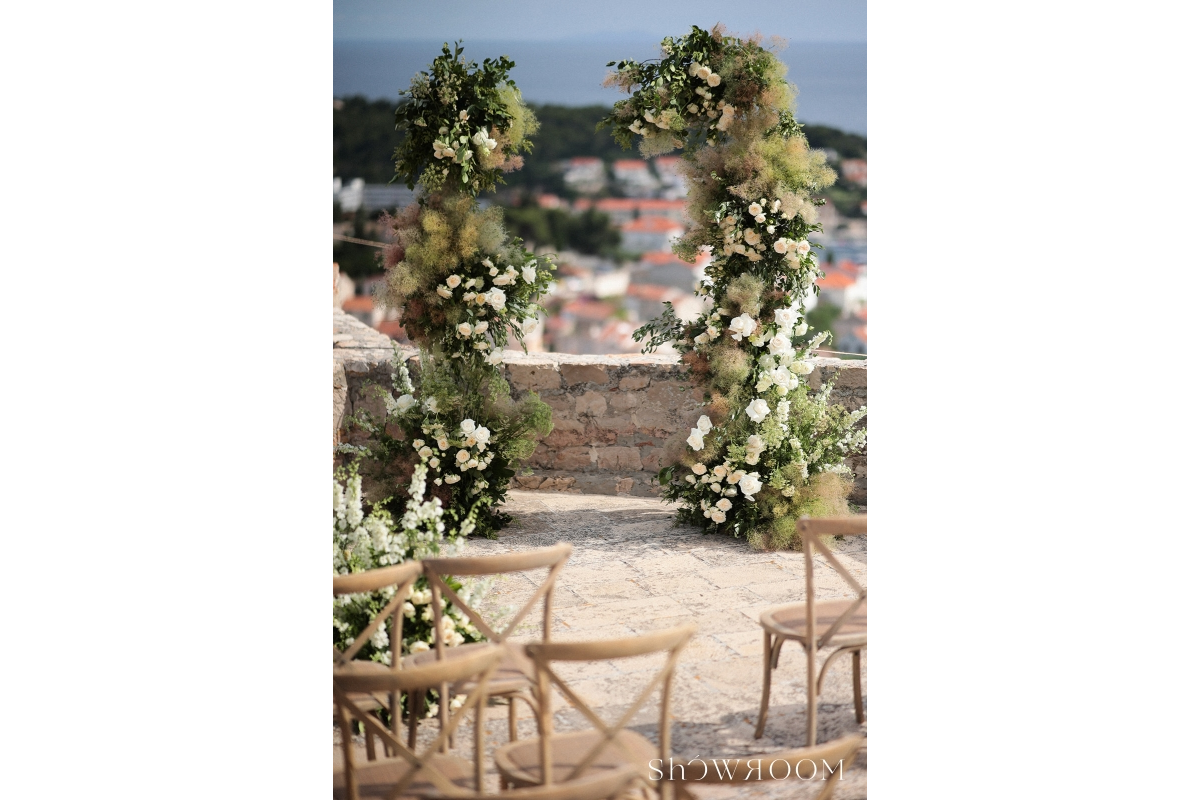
(625, 401)
(652, 417)
(632, 383)
(624, 485)
(574, 458)
(591, 404)
(575, 374)
(652, 458)
(535, 377)
(668, 393)
(620, 424)
(624, 459)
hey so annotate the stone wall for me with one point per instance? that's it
(612, 414)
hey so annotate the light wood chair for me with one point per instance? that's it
(401, 577)
(558, 758)
(610, 783)
(815, 624)
(408, 773)
(514, 677)
(801, 765)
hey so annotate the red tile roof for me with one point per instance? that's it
(836, 280)
(630, 164)
(652, 225)
(650, 291)
(390, 327)
(589, 309)
(362, 302)
(585, 161)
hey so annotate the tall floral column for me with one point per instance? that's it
(462, 287)
(767, 450)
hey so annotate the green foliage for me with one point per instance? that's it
(591, 232)
(462, 125)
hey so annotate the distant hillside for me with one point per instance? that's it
(364, 137)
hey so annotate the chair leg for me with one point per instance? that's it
(768, 658)
(416, 707)
(370, 743)
(512, 719)
(858, 704)
(811, 650)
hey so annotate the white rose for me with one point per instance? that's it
(802, 329)
(502, 280)
(462, 456)
(482, 435)
(480, 327)
(453, 281)
(693, 108)
(714, 79)
(444, 292)
(467, 426)
(431, 404)
(758, 410)
(719, 472)
(724, 505)
(779, 344)
(770, 229)
(704, 424)
(479, 138)
(529, 273)
(453, 479)
(443, 443)
(754, 444)
(464, 329)
(734, 477)
(699, 469)
(495, 298)
(487, 262)
(702, 338)
(425, 452)
(803, 368)
(760, 219)
(741, 326)
(717, 516)
(529, 325)
(750, 485)
(781, 245)
(703, 72)
(696, 439)
(802, 247)
(495, 358)
(751, 236)
(785, 317)
(462, 115)
(755, 209)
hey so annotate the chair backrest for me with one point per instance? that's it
(804, 764)
(436, 569)
(811, 531)
(401, 576)
(671, 641)
(355, 678)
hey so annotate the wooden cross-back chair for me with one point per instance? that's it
(514, 677)
(815, 624)
(802, 765)
(599, 786)
(554, 758)
(407, 772)
(402, 577)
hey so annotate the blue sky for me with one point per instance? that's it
(546, 20)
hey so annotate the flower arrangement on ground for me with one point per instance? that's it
(363, 541)
(464, 289)
(767, 450)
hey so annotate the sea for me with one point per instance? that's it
(831, 78)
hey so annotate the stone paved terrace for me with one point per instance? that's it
(634, 571)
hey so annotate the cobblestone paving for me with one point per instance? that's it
(633, 571)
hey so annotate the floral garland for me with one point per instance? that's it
(463, 287)
(766, 451)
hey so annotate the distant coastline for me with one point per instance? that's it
(831, 77)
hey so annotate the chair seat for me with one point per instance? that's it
(791, 622)
(377, 778)
(520, 762)
(514, 673)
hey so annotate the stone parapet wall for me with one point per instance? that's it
(612, 414)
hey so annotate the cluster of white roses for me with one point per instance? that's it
(745, 239)
(453, 142)
(466, 450)
(724, 481)
(478, 302)
(705, 107)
